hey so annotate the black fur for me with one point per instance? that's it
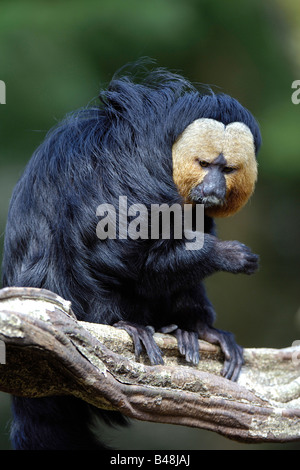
(121, 147)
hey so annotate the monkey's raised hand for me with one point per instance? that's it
(235, 257)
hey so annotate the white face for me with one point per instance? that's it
(200, 144)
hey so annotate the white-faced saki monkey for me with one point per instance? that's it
(157, 141)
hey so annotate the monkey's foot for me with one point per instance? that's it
(142, 336)
(188, 345)
(232, 351)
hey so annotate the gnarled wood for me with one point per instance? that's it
(48, 352)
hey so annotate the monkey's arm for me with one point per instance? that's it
(171, 264)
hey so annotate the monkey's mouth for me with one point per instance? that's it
(196, 195)
(212, 201)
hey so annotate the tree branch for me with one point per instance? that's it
(48, 352)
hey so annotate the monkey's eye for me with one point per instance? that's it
(228, 169)
(203, 164)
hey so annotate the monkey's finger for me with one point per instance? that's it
(252, 262)
(133, 333)
(153, 351)
(240, 363)
(180, 342)
(196, 354)
(228, 347)
(191, 346)
(251, 258)
(235, 365)
(168, 329)
(188, 345)
(234, 362)
(229, 366)
(136, 334)
(150, 329)
(232, 352)
(251, 267)
(137, 346)
(229, 355)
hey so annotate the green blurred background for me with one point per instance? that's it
(55, 56)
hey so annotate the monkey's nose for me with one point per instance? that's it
(214, 191)
(214, 184)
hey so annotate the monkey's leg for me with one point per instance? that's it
(142, 336)
(195, 315)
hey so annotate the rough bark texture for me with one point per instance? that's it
(48, 352)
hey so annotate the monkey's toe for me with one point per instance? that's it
(232, 351)
(188, 345)
(142, 337)
(168, 329)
